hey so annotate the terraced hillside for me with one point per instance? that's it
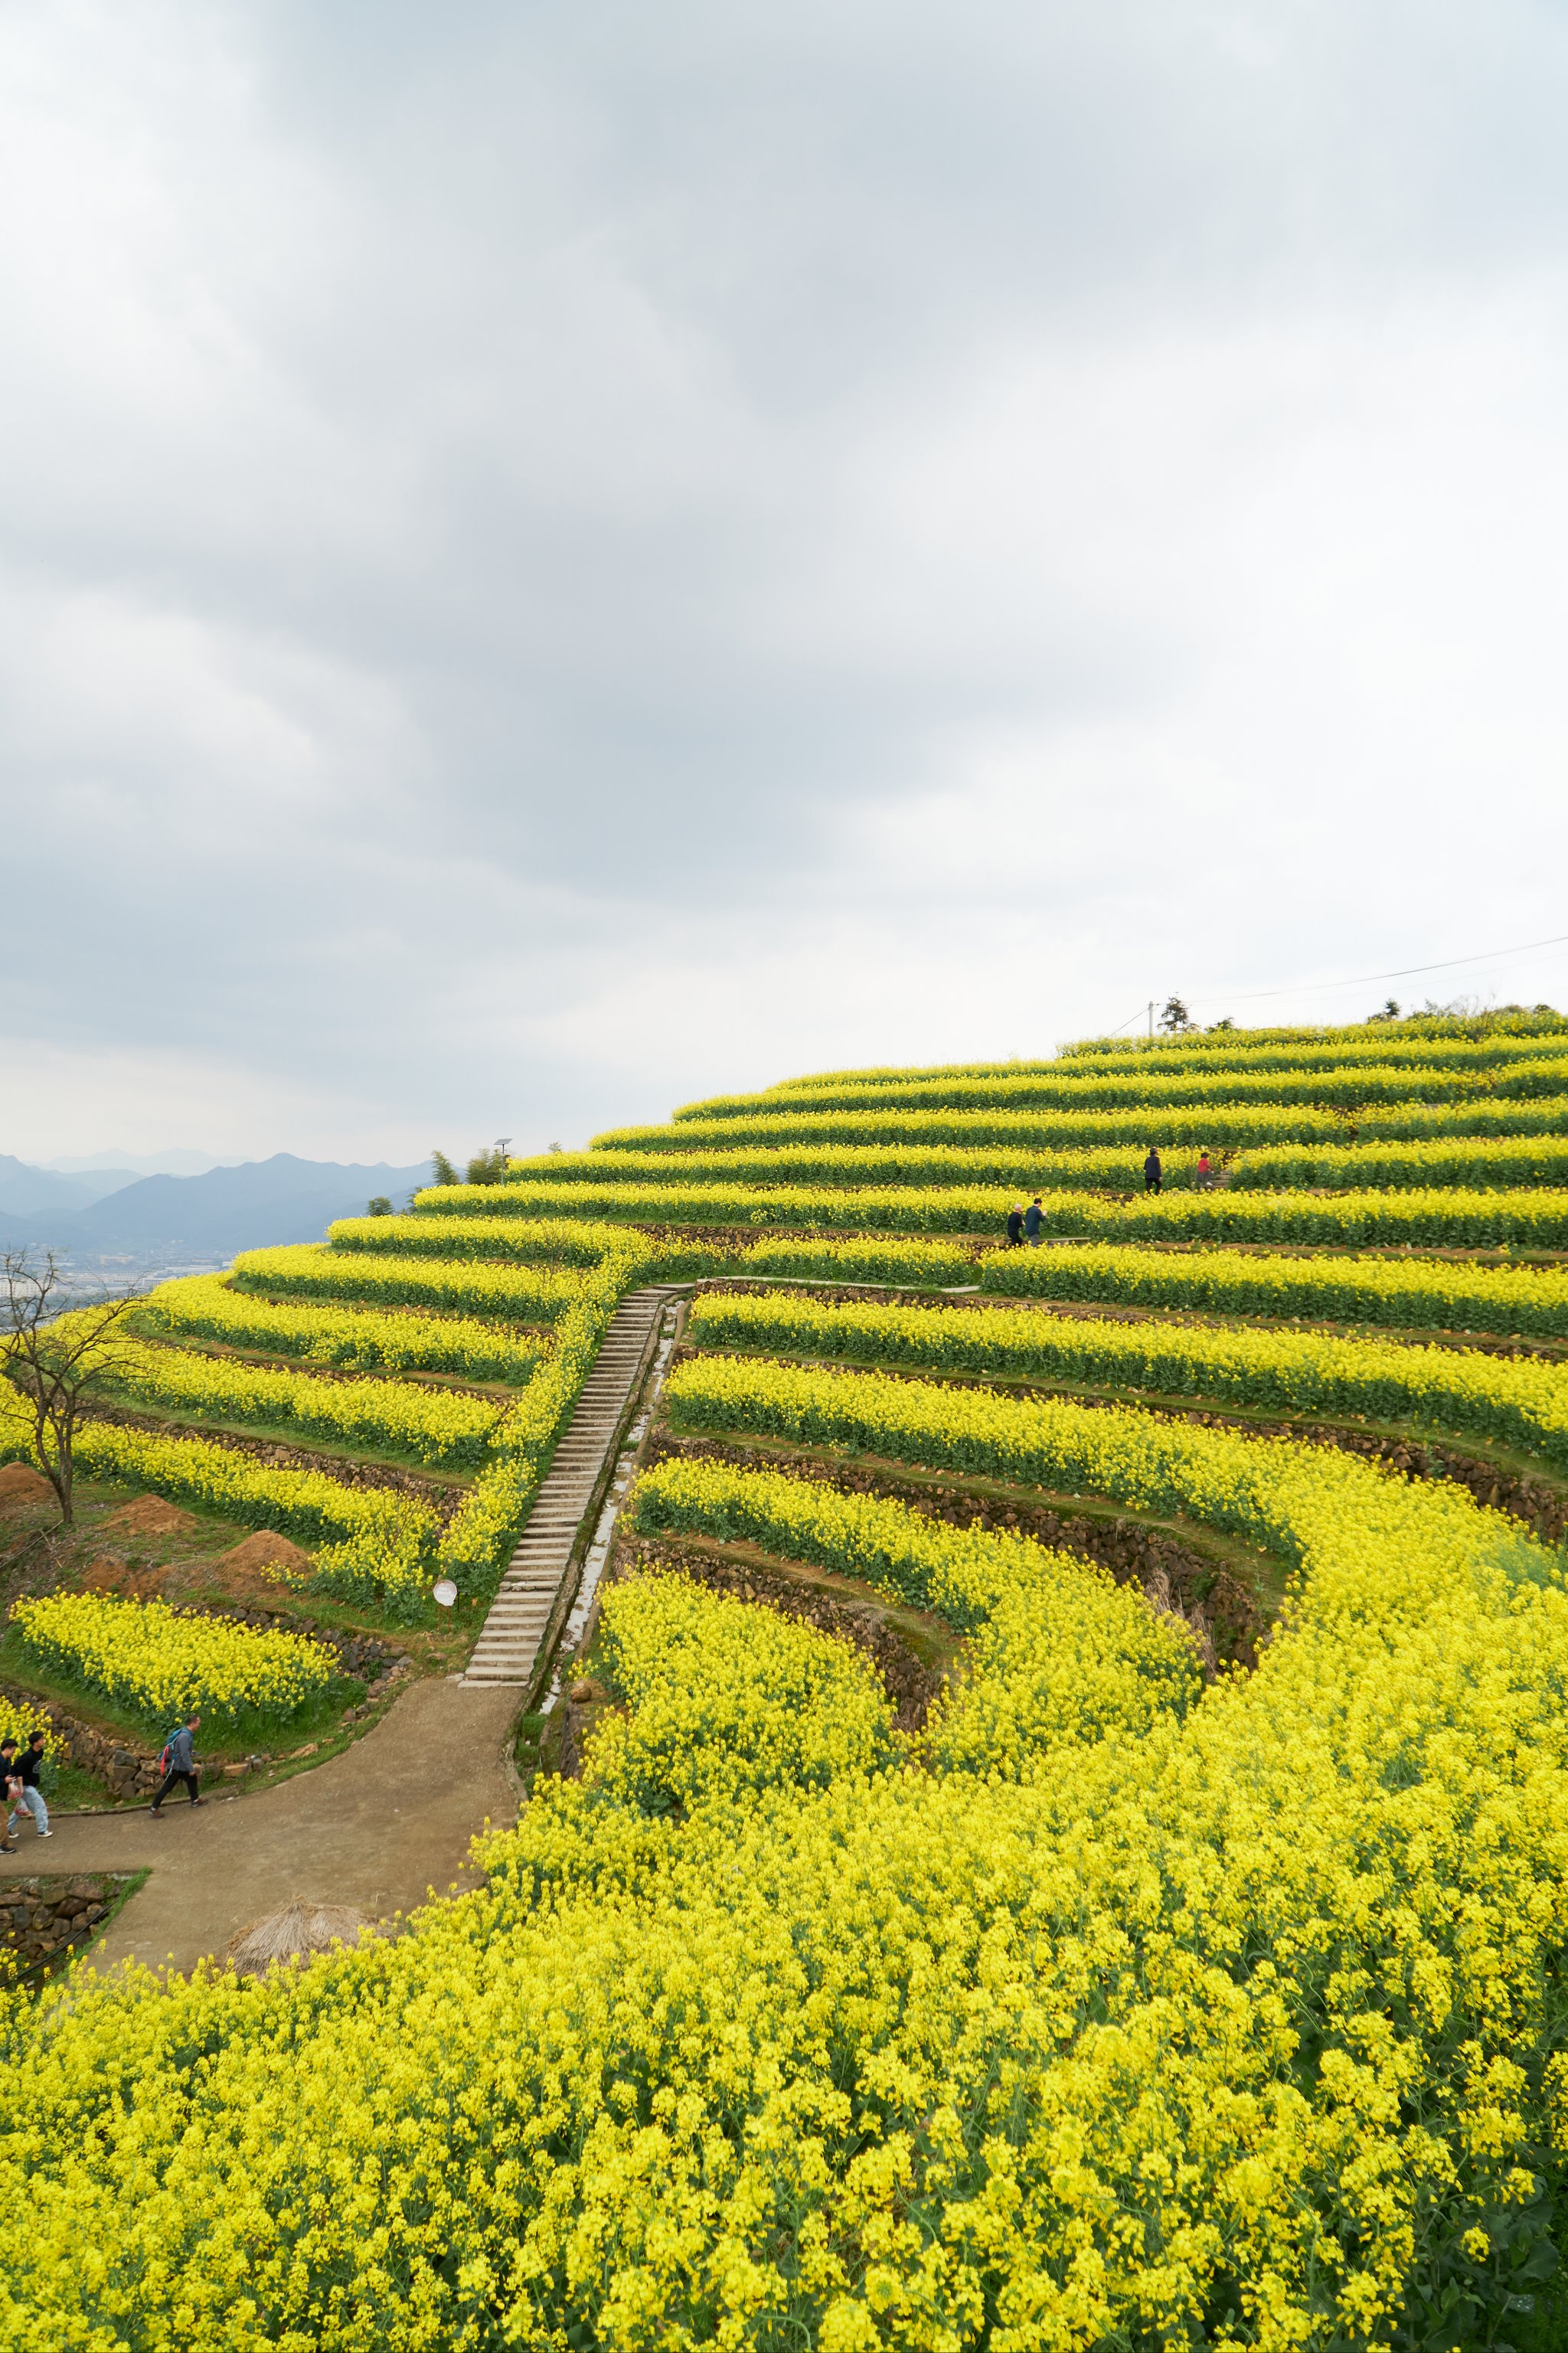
(1063, 1841)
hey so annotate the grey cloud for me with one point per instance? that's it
(520, 520)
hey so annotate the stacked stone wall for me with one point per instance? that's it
(44, 1920)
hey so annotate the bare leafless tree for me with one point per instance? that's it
(54, 1352)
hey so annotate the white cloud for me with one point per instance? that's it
(555, 561)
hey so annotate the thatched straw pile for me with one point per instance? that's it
(292, 1934)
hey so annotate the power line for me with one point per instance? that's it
(1407, 972)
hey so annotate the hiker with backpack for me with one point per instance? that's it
(178, 1763)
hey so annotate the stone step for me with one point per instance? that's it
(515, 1625)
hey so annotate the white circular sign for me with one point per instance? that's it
(446, 1593)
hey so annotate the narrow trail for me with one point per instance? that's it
(389, 1821)
(377, 1828)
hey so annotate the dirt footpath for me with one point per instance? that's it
(377, 1827)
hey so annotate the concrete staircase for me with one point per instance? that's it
(508, 1648)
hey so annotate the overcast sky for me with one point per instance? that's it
(556, 558)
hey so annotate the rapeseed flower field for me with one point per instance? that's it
(160, 1664)
(1118, 1995)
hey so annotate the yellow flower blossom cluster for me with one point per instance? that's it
(1441, 1295)
(19, 1723)
(1521, 1404)
(367, 1540)
(1061, 1655)
(427, 1425)
(442, 1224)
(487, 1519)
(1233, 2034)
(1433, 1217)
(862, 1258)
(207, 1307)
(1076, 1084)
(1483, 1162)
(1248, 1125)
(161, 1663)
(527, 1294)
(727, 1700)
(1047, 1441)
(1114, 2010)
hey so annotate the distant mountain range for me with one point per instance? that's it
(108, 1213)
(178, 1161)
(24, 1190)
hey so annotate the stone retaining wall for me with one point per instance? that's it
(108, 1757)
(45, 1919)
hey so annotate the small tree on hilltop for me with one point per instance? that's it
(1176, 1016)
(488, 1167)
(380, 1208)
(442, 1171)
(53, 1359)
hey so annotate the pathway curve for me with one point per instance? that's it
(390, 1818)
(376, 1827)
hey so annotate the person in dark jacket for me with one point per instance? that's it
(182, 1766)
(1015, 1225)
(1031, 1223)
(26, 1770)
(1153, 1172)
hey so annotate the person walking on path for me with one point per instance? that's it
(1153, 1172)
(1015, 1225)
(1031, 1223)
(26, 1770)
(180, 1765)
(10, 1794)
(1204, 1173)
